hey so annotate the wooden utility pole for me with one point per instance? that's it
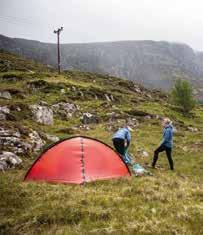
(58, 31)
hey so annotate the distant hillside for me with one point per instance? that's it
(153, 64)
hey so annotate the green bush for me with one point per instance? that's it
(181, 96)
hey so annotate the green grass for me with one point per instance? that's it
(165, 203)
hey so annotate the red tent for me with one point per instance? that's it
(77, 160)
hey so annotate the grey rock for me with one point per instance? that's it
(36, 141)
(62, 91)
(89, 118)
(43, 103)
(111, 97)
(52, 138)
(2, 117)
(3, 165)
(107, 98)
(132, 122)
(65, 109)
(145, 154)
(12, 140)
(147, 117)
(192, 129)
(137, 89)
(81, 94)
(84, 127)
(4, 109)
(42, 114)
(68, 107)
(11, 159)
(5, 95)
(74, 88)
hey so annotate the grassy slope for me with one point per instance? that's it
(166, 203)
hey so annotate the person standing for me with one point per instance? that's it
(121, 141)
(166, 144)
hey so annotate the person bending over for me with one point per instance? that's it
(121, 141)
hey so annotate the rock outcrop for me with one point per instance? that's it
(65, 110)
(89, 118)
(42, 114)
(20, 141)
(9, 160)
(5, 95)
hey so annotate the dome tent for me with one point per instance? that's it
(77, 160)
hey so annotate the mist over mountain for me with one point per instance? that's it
(151, 63)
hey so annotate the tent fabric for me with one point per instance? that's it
(77, 160)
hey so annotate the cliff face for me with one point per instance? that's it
(153, 64)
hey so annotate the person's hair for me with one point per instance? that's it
(167, 120)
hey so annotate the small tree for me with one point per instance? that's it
(182, 96)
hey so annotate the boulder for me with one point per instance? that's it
(145, 154)
(65, 110)
(132, 122)
(43, 103)
(52, 138)
(84, 127)
(3, 166)
(36, 141)
(5, 95)
(26, 143)
(107, 98)
(137, 89)
(2, 117)
(63, 91)
(10, 139)
(42, 114)
(4, 109)
(68, 107)
(9, 160)
(148, 117)
(89, 118)
(192, 129)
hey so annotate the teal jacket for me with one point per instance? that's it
(168, 136)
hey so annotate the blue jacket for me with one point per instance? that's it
(124, 134)
(168, 136)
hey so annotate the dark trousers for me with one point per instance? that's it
(119, 145)
(168, 154)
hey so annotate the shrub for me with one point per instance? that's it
(181, 95)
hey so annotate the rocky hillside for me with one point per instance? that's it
(39, 107)
(152, 64)
(35, 103)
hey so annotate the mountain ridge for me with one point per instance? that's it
(154, 64)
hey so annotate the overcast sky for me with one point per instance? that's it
(104, 20)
